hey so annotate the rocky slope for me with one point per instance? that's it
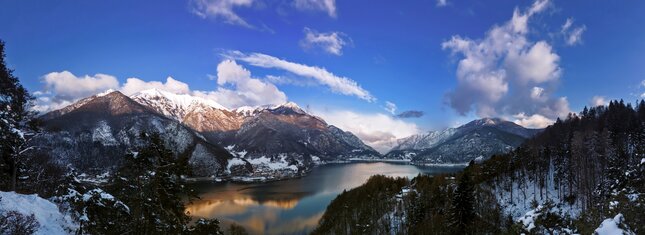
(476, 140)
(264, 131)
(266, 142)
(95, 133)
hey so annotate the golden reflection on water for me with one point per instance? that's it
(263, 219)
(286, 207)
(210, 208)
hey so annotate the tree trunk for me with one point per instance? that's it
(14, 175)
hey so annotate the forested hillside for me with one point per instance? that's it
(576, 175)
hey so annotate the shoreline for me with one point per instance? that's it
(264, 179)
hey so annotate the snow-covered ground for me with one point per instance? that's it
(612, 227)
(517, 201)
(51, 221)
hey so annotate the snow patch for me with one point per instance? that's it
(611, 227)
(50, 219)
(234, 162)
(103, 134)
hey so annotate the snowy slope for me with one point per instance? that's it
(51, 221)
(173, 105)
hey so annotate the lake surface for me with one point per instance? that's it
(291, 206)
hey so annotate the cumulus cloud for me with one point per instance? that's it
(442, 3)
(506, 74)
(328, 6)
(598, 101)
(235, 87)
(221, 10)
(410, 114)
(331, 42)
(245, 90)
(377, 130)
(390, 107)
(572, 35)
(337, 84)
(67, 85)
(63, 88)
(134, 85)
(533, 121)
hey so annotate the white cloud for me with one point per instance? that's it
(533, 121)
(442, 3)
(222, 10)
(505, 73)
(331, 42)
(390, 107)
(328, 6)
(536, 65)
(340, 85)
(69, 86)
(575, 36)
(572, 35)
(246, 89)
(537, 93)
(63, 88)
(567, 24)
(134, 85)
(598, 101)
(377, 130)
(235, 87)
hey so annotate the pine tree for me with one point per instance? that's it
(17, 125)
(462, 214)
(97, 211)
(149, 182)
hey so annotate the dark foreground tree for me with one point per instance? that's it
(17, 125)
(462, 212)
(149, 183)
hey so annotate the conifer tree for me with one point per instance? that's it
(17, 125)
(462, 213)
(149, 183)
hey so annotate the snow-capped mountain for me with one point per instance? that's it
(95, 133)
(173, 105)
(268, 130)
(477, 139)
(103, 127)
(426, 140)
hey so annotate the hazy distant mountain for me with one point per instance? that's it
(479, 138)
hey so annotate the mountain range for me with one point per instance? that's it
(476, 140)
(95, 133)
(265, 142)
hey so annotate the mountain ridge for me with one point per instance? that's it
(475, 140)
(199, 130)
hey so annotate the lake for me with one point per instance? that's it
(291, 206)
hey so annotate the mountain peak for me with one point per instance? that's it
(288, 108)
(183, 100)
(290, 105)
(487, 121)
(174, 105)
(285, 108)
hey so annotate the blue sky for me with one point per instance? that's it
(407, 53)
